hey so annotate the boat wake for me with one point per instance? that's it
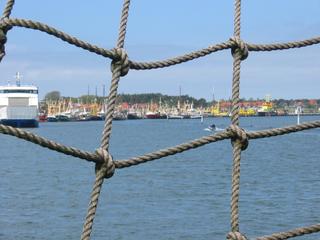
(209, 129)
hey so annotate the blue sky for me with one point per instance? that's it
(163, 29)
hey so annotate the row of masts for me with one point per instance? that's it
(68, 109)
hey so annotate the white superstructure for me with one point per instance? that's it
(19, 105)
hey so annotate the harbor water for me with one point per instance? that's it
(44, 194)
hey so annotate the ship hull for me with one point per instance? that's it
(267, 114)
(175, 117)
(20, 123)
(133, 116)
(156, 116)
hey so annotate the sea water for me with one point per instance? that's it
(45, 194)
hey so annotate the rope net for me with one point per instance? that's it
(105, 165)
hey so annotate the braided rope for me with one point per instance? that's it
(3, 30)
(120, 65)
(7, 9)
(15, 22)
(239, 52)
(100, 173)
(3, 40)
(93, 157)
(31, 137)
(94, 198)
(292, 233)
(235, 236)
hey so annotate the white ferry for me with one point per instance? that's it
(19, 105)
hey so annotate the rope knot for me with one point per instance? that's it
(3, 36)
(236, 236)
(239, 46)
(121, 61)
(107, 164)
(240, 135)
(3, 40)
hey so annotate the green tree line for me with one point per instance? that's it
(131, 99)
(165, 99)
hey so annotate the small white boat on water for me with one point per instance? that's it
(174, 116)
(213, 128)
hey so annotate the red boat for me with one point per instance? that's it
(42, 117)
(157, 115)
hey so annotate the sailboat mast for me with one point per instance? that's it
(213, 96)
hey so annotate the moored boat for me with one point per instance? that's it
(42, 117)
(175, 116)
(19, 105)
(51, 118)
(152, 115)
(196, 116)
(62, 118)
(132, 115)
(155, 115)
(266, 110)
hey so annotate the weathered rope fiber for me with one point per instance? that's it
(119, 67)
(105, 165)
(15, 22)
(236, 236)
(292, 233)
(4, 29)
(239, 53)
(93, 157)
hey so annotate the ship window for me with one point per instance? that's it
(19, 91)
